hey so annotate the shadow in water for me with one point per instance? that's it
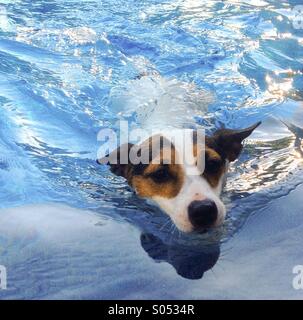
(189, 262)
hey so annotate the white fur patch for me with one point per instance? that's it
(195, 187)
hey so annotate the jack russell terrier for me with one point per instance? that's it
(188, 192)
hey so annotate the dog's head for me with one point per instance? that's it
(190, 196)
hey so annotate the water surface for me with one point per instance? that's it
(70, 229)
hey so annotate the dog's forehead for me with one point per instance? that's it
(161, 147)
(157, 147)
(157, 141)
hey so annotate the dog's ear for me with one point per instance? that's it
(118, 160)
(229, 141)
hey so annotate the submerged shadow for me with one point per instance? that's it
(189, 262)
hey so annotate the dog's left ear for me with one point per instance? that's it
(118, 160)
(229, 141)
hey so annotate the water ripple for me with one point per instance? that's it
(61, 62)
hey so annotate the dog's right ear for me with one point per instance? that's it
(229, 141)
(119, 161)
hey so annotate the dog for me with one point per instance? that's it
(189, 195)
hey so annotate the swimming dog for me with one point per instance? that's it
(188, 192)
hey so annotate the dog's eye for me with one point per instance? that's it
(161, 175)
(212, 165)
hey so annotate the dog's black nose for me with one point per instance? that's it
(202, 214)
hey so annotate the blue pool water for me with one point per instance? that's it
(70, 229)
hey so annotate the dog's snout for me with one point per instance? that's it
(202, 214)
